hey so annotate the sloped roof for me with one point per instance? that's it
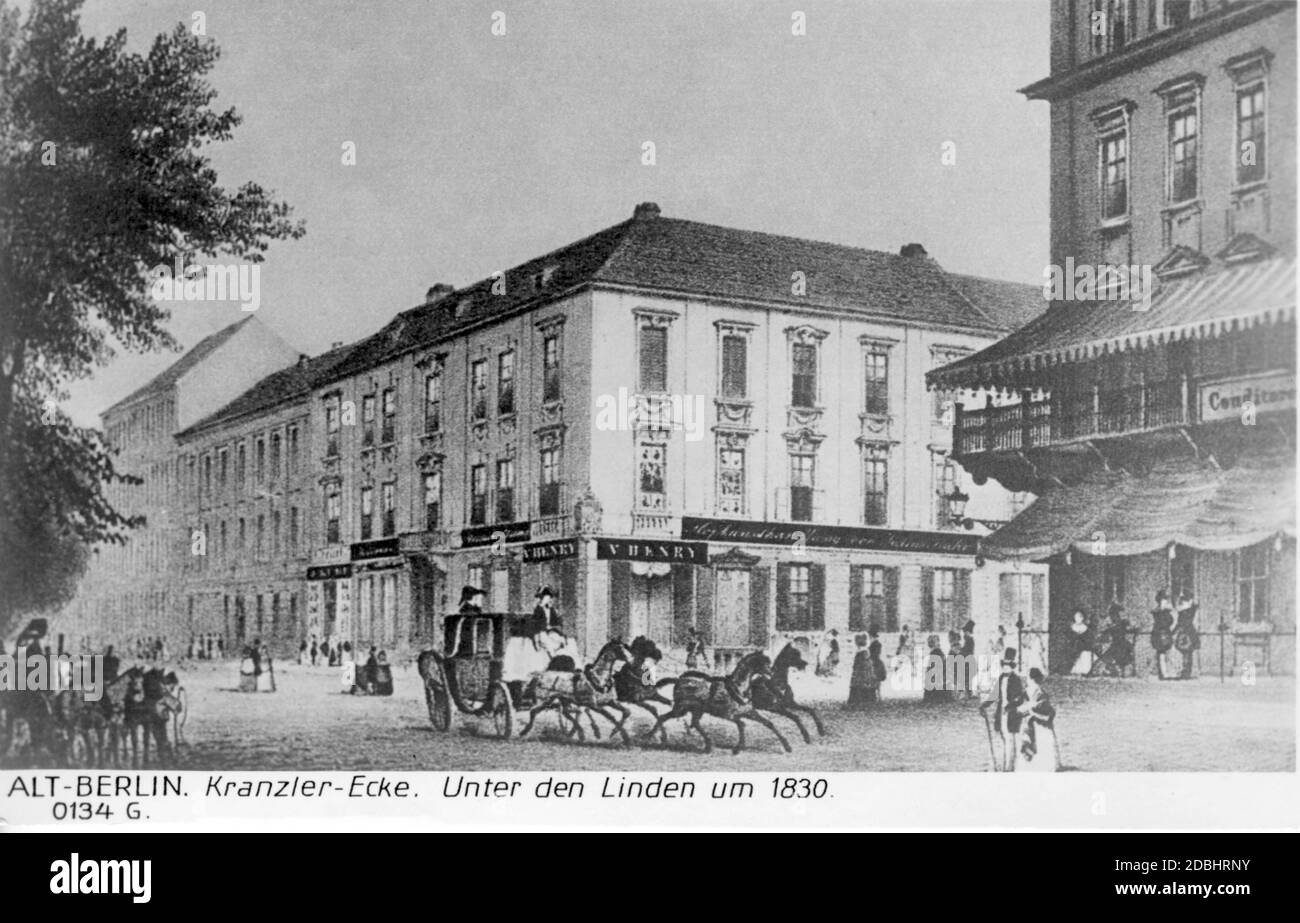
(672, 255)
(172, 374)
(284, 385)
(1199, 306)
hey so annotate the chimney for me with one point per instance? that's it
(646, 210)
(437, 292)
(913, 251)
(302, 359)
(336, 344)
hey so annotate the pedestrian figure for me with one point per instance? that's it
(1186, 639)
(695, 652)
(1081, 644)
(1118, 656)
(830, 661)
(1162, 634)
(969, 666)
(1008, 696)
(935, 676)
(266, 681)
(1039, 750)
(315, 650)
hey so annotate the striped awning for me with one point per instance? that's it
(1185, 501)
(1204, 305)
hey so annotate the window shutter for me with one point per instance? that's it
(782, 597)
(927, 598)
(620, 580)
(683, 601)
(891, 601)
(704, 603)
(817, 595)
(758, 633)
(856, 618)
(961, 592)
(1039, 616)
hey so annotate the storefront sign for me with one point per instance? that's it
(379, 548)
(1235, 397)
(330, 554)
(313, 608)
(655, 550)
(329, 572)
(550, 551)
(504, 532)
(845, 538)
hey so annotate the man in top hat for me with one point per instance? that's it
(1008, 695)
(545, 616)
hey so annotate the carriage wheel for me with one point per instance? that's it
(503, 711)
(437, 698)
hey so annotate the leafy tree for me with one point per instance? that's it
(103, 177)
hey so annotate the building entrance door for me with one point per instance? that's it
(731, 608)
(650, 607)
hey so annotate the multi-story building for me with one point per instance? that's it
(131, 590)
(1156, 419)
(248, 485)
(673, 425)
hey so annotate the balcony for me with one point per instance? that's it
(1100, 415)
(660, 524)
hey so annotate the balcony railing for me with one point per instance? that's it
(1101, 414)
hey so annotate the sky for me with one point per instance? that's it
(475, 151)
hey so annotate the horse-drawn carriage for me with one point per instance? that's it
(476, 674)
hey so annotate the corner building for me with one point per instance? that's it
(673, 425)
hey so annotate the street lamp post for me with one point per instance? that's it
(1020, 641)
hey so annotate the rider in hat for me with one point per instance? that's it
(545, 615)
(471, 600)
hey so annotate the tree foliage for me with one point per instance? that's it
(103, 178)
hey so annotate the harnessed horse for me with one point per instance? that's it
(630, 684)
(573, 693)
(728, 697)
(772, 693)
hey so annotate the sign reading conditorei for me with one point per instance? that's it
(508, 532)
(648, 549)
(1231, 398)
(846, 538)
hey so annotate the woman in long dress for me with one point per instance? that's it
(1039, 749)
(1081, 639)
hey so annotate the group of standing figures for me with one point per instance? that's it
(1109, 650)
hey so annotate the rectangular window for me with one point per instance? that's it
(1182, 155)
(478, 389)
(243, 536)
(1253, 583)
(651, 467)
(505, 510)
(367, 512)
(802, 481)
(734, 371)
(432, 501)
(1114, 175)
(223, 469)
(551, 367)
(293, 528)
(259, 459)
(945, 598)
(478, 495)
(876, 487)
(548, 501)
(388, 426)
(276, 443)
(293, 450)
(803, 386)
(207, 475)
(368, 420)
(433, 402)
(876, 382)
(875, 609)
(241, 466)
(474, 576)
(332, 426)
(654, 359)
(800, 597)
(260, 547)
(222, 534)
(1177, 13)
(333, 507)
(945, 482)
(388, 498)
(1250, 134)
(731, 480)
(506, 382)
(275, 532)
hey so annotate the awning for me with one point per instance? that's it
(1186, 502)
(1204, 305)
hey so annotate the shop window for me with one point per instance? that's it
(1252, 573)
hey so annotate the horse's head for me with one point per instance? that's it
(753, 664)
(645, 649)
(789, 658)
(612, 654)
